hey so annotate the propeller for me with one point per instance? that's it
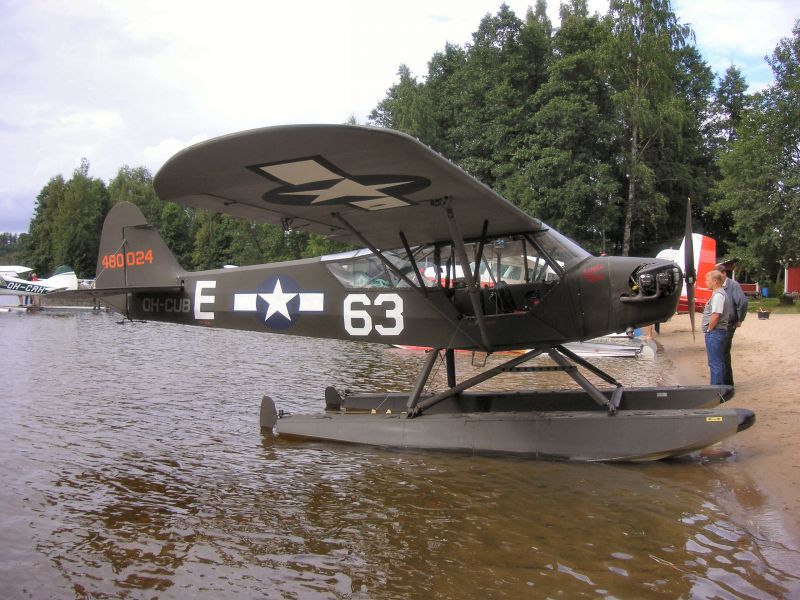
(688, 262)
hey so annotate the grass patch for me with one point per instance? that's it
(773, 305)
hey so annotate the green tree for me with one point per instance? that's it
(644, 53)
(761, 170)
(212, 242)
(263, 242)
(683, 160)
(9, 243)
(136, 185)
(38, 249)
(176, 229)
(474, 104)
(318, 245)
(79, 220)
(406, 107)
(730, 102)
(562, 173)
(505, 66)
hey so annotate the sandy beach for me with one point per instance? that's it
(767, 377)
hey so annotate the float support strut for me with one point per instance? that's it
(422, 379)
(480, 377)
(450, 362)
(578, 377)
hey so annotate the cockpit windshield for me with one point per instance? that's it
(560, 248)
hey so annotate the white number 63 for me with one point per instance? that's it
(353, 315)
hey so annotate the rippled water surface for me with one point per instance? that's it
(132, 465)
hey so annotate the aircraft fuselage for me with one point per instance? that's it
(305, 298)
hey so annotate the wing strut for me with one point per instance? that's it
(479, 256)
(472, 290)
(411, 259)
(386, 263)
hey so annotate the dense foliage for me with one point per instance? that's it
(604, 126)
(68, 220)
(601, 127)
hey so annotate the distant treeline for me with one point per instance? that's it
(69, 215)
(602, 128)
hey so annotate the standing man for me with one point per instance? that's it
(736, 307)
(715, 327)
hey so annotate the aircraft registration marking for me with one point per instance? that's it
(133, 258)
(29, 288)
(168, 304)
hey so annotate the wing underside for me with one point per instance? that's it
(337, 180)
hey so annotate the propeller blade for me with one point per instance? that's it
(688, 262)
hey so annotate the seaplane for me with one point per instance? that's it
(429, 234)
(11, 283)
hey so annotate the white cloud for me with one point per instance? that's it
(104, 121)
(740, 33)
(159, 153)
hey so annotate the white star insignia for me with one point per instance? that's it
(278, 301)
(346, 188)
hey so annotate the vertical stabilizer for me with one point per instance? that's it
(132, 253)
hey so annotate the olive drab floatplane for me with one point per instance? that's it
(447, 264)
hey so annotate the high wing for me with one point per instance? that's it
(13, 270)
(336, 180)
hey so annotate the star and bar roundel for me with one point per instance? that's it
(278, 302)
(314, 180)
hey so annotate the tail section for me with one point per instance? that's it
(705, 257)
(63, 279)
(132, 253)
(706, 260)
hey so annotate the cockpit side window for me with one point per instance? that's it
(515, 261)
(540, 257)
(362, 269)
(361, 272)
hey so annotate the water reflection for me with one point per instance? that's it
(134, 466)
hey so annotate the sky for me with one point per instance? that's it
(131, 82)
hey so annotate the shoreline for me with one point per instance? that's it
(767, 377)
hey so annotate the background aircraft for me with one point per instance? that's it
(705, 259)
(63, 279)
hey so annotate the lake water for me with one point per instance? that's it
(132, 465)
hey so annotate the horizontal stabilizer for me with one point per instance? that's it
(134, 289)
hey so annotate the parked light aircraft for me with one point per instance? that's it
(62, 280)
(413, 209)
